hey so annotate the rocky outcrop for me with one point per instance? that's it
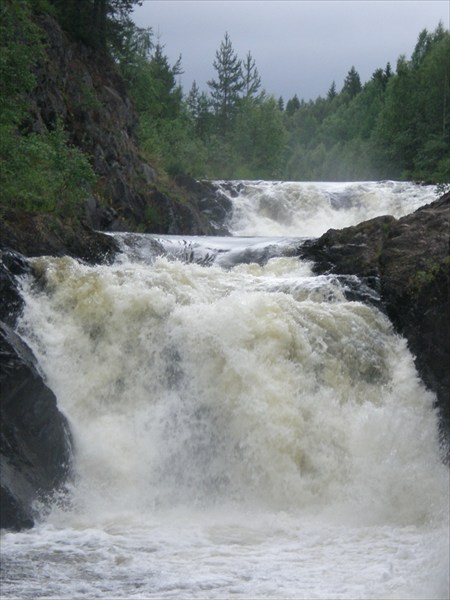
(211, 204)
(407, 262)
(82, 88)
(35, 442)
(42, 234)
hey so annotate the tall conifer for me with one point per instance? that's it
(252, 80)
(227, 88)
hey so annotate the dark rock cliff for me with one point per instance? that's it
(83, 89)
(35, 442)
(407, 262)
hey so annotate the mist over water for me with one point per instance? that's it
(240, 428)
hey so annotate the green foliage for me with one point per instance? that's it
(332, 92)
(427, 276)
(42, 7)
(250, 76)
(293, 104)
(259, 138)
(412, 134)
(173, 144)
(96, 23)
(20, 48)
(198, 108)
(165, 131)
(352, 83)
(235, 132)
(41, 172)
(38, 171)
(132, 48)
(88, 98)
(395, 126)
(226, 89)
(152, 216)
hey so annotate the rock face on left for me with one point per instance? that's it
(35, 442)
(83, 89)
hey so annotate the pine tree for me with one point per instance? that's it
(252, 80)
(227, 88)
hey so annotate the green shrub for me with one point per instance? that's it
(40, 172)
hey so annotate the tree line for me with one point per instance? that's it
(396, 125)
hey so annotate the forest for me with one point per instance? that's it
(394, 126)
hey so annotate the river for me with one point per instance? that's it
(242, 429)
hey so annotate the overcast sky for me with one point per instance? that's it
(300, 46)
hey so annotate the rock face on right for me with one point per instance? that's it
(407, 261)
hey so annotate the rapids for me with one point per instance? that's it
(241, 428)
(286, 208)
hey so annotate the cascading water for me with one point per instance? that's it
(308, 209)
(241, 428)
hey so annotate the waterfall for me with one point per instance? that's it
(240, 426)
(308, 209)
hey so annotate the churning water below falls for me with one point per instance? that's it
(241, 429)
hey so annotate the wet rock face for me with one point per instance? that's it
(407, 260)
(35, 442)
(212, 207)
(84, 90)
(11, 265)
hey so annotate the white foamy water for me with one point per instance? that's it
(310, 208)
(241, 430)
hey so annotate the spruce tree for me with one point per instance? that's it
(226, 90)
(197, 104)
(292, 105)
(165, 91)
(352, 83)
(192, 100)
(332, 93)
